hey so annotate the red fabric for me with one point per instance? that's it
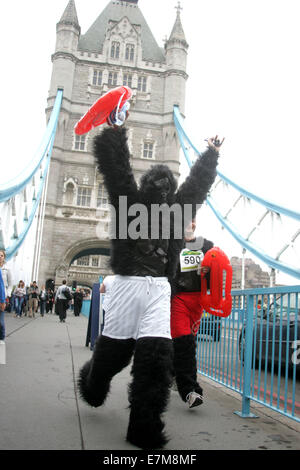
(186, 313)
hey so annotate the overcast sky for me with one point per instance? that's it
(244, 75)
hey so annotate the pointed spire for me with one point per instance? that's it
(70, 15)
(177, 31)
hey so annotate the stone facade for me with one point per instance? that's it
(254, 276)
(118, 49)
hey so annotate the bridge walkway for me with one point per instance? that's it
(41, 410)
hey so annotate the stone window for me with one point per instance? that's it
(142, 84)
(112, 78)
(102, 198)
(95, 261)
(148, 150)
(127, 79)
(84, 196)
(83, 261)
(129, 52)
(79, 143)
(115, 50)
(97, 77)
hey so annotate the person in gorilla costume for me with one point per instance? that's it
(138, 316)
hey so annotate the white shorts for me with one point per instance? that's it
(138, 307)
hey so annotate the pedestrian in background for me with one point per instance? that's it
(78, 298)
(43, 299)
(2, 308)
(19, 294)
(33, 294)
(26, 303)
(6, 274)
(62, 298)
(49, 301)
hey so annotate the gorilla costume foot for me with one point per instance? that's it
(149, 392)
(146, 434)
(86, 392)
(110, 356)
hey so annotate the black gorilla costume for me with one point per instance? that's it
(152, 369)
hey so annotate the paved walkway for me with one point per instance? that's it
(40, 409)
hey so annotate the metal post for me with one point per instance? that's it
(243, 275)
(245, 413)
(272, 284)
(243, 269)
(36, 244)
(42, 216)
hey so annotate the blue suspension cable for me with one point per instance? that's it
(19, 182)
(270, 205)
(225, 223)
(46, 149)
(14, 247)
(250, 246)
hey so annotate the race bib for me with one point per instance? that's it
(190, 260)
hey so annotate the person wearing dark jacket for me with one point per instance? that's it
(62, 298)
(49, 301)
(43, 300)
(186, 313)
(78, 298)
(33, 294)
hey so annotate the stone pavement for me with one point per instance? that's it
(40, 408)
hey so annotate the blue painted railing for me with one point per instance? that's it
(256, 350)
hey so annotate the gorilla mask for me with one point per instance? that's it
(158, 186)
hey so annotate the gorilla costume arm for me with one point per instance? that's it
(194, 191)
(112, 156)
(202, 175)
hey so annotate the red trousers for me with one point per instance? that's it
(186, 313)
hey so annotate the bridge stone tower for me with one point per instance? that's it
(118, 49)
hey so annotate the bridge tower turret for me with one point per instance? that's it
(64, 58)
(176, 49)
(117, 49)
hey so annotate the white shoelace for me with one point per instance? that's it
(196, 396)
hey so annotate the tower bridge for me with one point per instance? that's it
(56, 211)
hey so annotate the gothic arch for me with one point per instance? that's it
(85, 247)
(69, 192)
(86, 283)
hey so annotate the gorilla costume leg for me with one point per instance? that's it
(110, 356)
(149, 391)
(185, 366)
